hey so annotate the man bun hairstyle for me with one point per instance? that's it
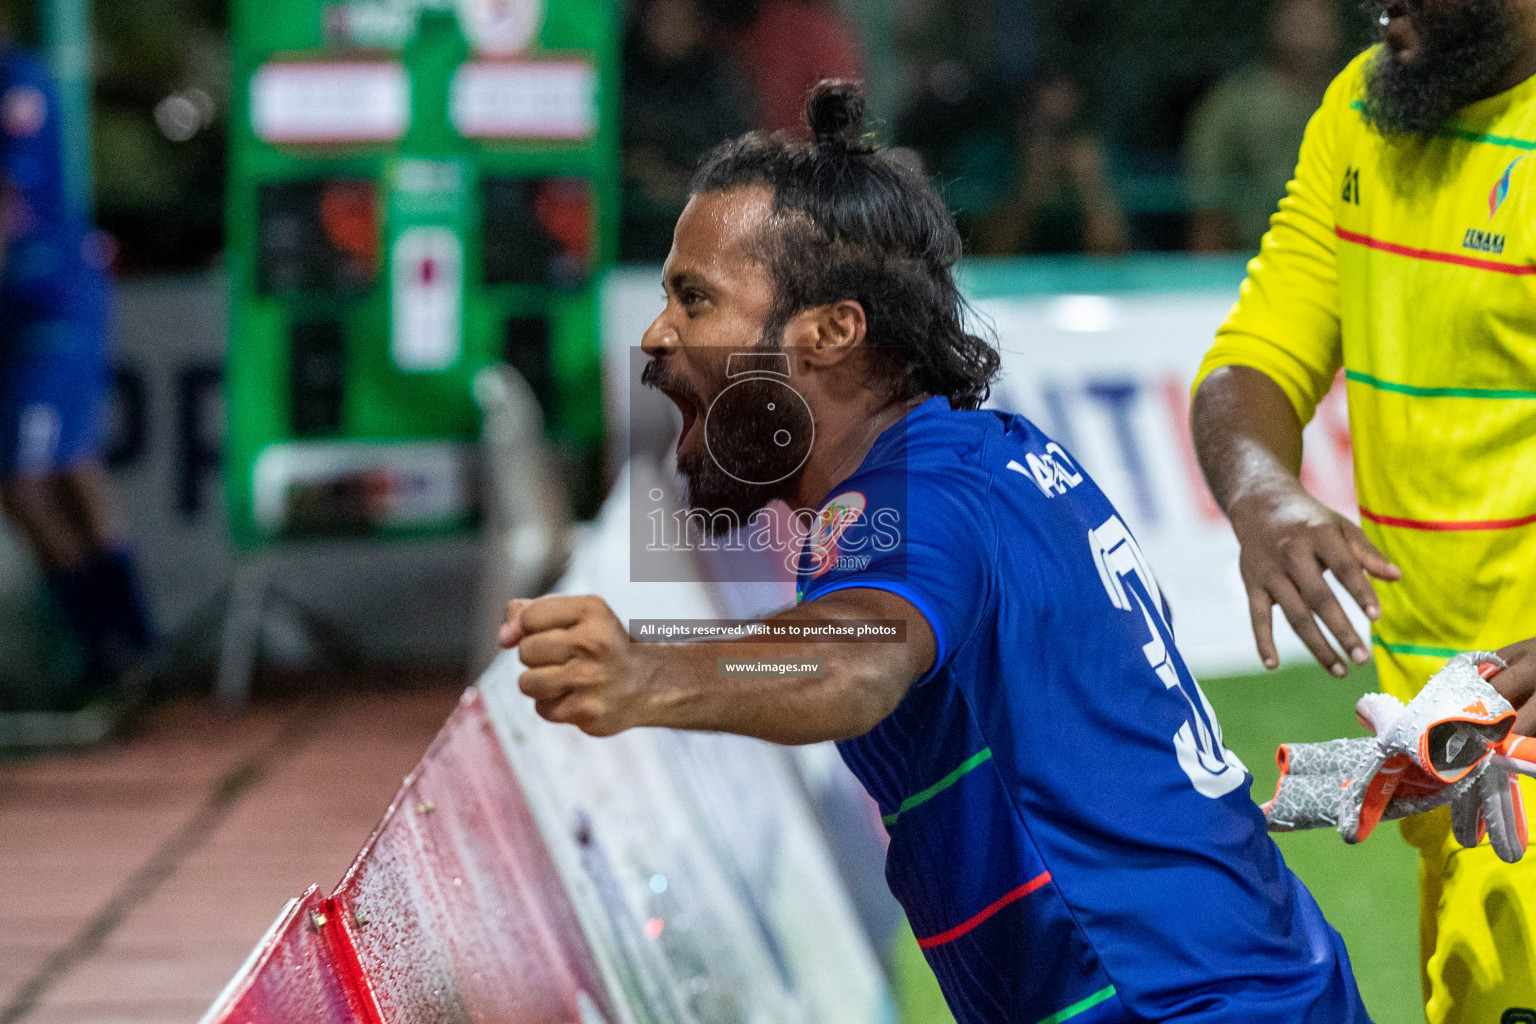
(834, 111)
(851, 223)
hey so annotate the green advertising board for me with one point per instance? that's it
(418, 189)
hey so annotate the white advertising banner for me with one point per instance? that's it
(545, 99)
(1108, 376)
(325, 102)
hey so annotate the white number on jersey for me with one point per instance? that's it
(1214, 770)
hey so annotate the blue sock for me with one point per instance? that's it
(80, 602)
(105, 610)
(122, 600)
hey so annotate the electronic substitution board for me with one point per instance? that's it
(418, 188)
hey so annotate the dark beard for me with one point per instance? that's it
(1464, 46)
(723, 502)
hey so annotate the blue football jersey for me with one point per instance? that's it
(1070, 837)
(45, 275)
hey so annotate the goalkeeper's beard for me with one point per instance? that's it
(1463, 48)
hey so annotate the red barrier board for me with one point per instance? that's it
(295, 974)
(453, 911)
(455, 907)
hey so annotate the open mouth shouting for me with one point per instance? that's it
(690, 410)
(668, 382)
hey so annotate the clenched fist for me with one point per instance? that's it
(581, 667)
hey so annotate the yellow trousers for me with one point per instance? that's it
(1477, 925)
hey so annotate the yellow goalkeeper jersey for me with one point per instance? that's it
(1412, 266)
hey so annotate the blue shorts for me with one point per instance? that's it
(53, 391)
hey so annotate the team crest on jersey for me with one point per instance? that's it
(1501, 188)
(23, 111)
(831, 522)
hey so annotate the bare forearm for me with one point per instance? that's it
(582, 667)
(689, 690)
(1247, 437)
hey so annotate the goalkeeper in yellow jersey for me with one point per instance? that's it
(1405, 254)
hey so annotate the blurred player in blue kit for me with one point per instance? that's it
(1069, 835)
(54, 379)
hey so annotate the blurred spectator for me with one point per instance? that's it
(1016, 43)
(53, 378)
(162, 83)
(951, 118)
(681, 98)
(990, 39)
(785, 47)
(1244, 137)
(1061, 200)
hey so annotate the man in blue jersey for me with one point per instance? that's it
(53, 378)
(1069, 836)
